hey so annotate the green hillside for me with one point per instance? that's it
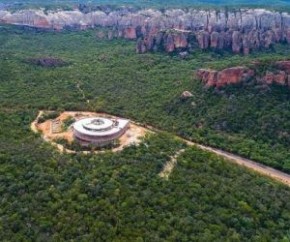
(46, 196)
(246, 120)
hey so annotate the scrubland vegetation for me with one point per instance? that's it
(249, 120)
(47, 196)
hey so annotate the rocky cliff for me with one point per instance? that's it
(170, 30)
(278, 73)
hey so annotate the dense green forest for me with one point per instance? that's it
(46, 196)
(249, 120)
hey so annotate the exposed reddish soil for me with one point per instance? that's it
(132, 136)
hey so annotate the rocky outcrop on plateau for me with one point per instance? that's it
(186, 95)
(278, 73)
(47, 62)
(239, 31)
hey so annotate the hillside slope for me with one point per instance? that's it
(250, 120)
(116, 197)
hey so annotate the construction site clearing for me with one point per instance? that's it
(54, 129)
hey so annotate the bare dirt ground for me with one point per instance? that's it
(169, 166)
(133, 135)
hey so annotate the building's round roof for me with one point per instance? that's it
(96, 124)
(99, 126)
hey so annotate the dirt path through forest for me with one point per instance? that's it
(250, 164)
(169, 166)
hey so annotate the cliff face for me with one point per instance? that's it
(279, 74)
(170, 30)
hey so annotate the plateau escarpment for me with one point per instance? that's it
(277, 73)
(171, 30)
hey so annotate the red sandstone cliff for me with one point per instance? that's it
(240, 74)
(170, 30)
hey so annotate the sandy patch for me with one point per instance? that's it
(133, 135)
(169, 166)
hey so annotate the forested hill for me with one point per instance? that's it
(248, 120)
(49, 196)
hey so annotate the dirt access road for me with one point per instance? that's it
(250, 164)
(260, 168)
(255, 166)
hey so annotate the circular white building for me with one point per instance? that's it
(99, 131)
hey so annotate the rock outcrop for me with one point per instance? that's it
(171, 30)
(47, 62)
(129, 33)
(279, 77)
(186, 95)
(228, 76)
(279, 74)
(283, 65)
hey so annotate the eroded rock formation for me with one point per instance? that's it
(171, 30)
(279, 74)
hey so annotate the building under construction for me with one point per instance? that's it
(99, 131)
